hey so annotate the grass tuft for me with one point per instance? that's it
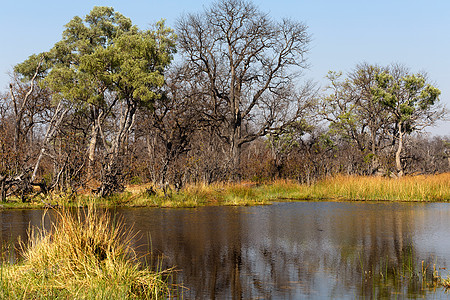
(84, 255)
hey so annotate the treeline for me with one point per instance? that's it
(108, 105)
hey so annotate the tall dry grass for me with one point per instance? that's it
(84, 255)
(407, 188)
(340, 187)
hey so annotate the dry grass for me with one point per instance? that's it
(354, 188)
(408, 188)
(85, 255)
(216, 194)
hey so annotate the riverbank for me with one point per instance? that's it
(429, 188)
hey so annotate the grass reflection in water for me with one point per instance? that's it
(404, 276)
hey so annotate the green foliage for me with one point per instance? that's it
(350, 110)
(29, 67)
(136, 180)
(369, 158)
(105, 53)
(407, 97)
(284, 139)
(326, 141)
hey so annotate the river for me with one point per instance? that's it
(289, 250)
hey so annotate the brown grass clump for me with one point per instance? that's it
(84, 255)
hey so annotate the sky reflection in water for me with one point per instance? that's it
(288, 250)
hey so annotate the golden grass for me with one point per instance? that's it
(353, 188)
(340, 187)
(407, 188)
(85, 255)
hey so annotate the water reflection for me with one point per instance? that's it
(14, 225)
(290, 250)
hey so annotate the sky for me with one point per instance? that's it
(344, 33)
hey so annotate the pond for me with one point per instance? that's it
(290, 250)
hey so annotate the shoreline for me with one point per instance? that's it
(419, 188)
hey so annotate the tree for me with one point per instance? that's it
(354, 114)
(247, 64)
(169, 128)
(374, 107)
(24, 113)
(109, 67)
(411, 101)
(283, 142)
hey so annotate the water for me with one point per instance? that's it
(300, 250)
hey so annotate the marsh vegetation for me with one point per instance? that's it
(423, 188)
(85, 254)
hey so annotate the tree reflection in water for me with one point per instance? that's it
(289, 250)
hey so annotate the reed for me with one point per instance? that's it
(408, 188)
(84, 255)
(349, 188)
(216, 194)
(403, 274)
(346, 188)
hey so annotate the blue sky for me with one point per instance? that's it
(345, 32)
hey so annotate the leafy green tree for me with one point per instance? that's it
(374, 108)
(355, 115)
(411, 101)
(108, 66)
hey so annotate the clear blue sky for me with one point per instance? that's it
(345, 33)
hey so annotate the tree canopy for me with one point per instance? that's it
(103, 61)
(411, 103)
(374, 107)
(247, 64)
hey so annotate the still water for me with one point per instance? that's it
(299, 250)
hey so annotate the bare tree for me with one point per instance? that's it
(248, 65)
(24, 111)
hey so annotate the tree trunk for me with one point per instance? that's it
(399, 150)
(151, 142)
(91, 151)
(236, 147)
(235, 153)
(374, 163)
(2, 189)
(111, 181)
(54, 124)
